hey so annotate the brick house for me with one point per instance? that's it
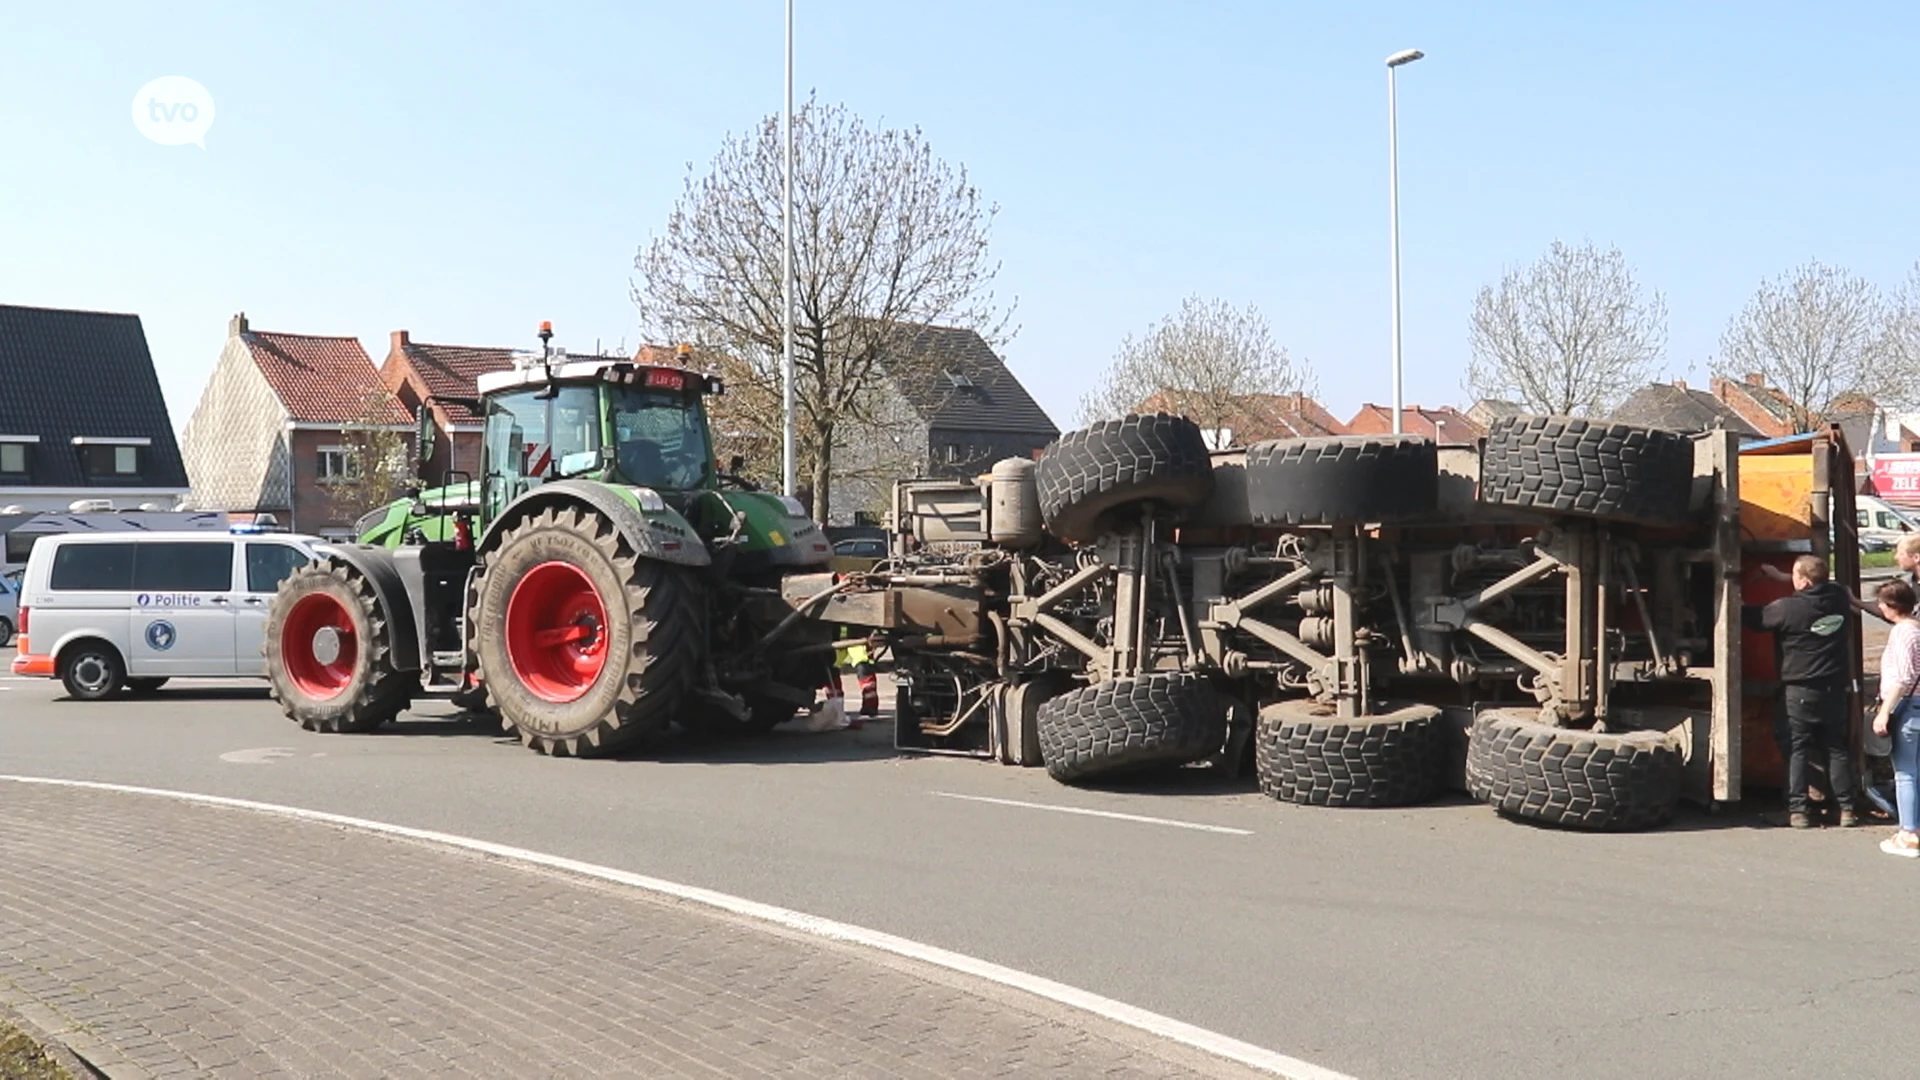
(1679, 407)
(417, 372)
(1485, 411)
(282, 426)
(81, 414)
(1769, 410)
(1248, 418)
(1443, 425)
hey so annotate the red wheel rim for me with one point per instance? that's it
(556, 632)
(317, 646)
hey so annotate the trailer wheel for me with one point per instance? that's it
(1130, 725)
(1588, 468)
(329, 663)
(1342, 480)
(1304, 754)
(1578, 779)
(1088, 474)
(584, 646)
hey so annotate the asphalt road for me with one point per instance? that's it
(1437, 941)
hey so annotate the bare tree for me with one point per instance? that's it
(1207, 360)
(1896, 375)
(375, 460)
(886, 237)
(1572, 334)
(1814, 333)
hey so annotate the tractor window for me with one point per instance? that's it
(662, 438)
(516, 448)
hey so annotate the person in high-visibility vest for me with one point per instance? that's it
(855, 656)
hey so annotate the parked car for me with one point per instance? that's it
(861, 547)
(116, 611)
(9, 609)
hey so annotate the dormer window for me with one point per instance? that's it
(113, 460)
(16, 459)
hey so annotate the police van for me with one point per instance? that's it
(116, 611)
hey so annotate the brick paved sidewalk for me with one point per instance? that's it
(159, 938)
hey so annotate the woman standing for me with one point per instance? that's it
(1899, 714)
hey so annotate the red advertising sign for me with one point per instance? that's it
(1897, 477)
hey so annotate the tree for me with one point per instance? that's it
(1814, 333)
(1897, 374)
(1572, 334)
(1206, 360)
(886, 237)
(376, 462)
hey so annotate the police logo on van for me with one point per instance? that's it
(160, 635)
(166, 600)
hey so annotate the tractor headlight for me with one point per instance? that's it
(650, 500)
(792, 506)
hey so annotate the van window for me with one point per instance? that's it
(92, 566)
(187, 566)
(269, 564)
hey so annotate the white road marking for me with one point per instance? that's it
(1153, 1023)
(259, 755)
(1099, 813)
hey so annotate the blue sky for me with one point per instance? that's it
(467, 170)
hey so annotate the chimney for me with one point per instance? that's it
(399, 341)
(1299, 401)
(1679, 384)
(1754, 378)
(237, 325)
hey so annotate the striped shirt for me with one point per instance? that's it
(1900, 663)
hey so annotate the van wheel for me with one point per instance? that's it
(92, 671)
(6, 631)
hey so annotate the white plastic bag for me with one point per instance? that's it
(829, 715)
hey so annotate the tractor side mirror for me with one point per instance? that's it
(737, 463)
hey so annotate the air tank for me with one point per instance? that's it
(1014, 505)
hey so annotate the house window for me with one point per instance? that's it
(338, 463)
(14, 459)
(110, 462)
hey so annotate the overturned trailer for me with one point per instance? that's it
(1549, 620)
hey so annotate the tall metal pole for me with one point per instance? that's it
(1393, 214)
(790, 458)
(1405, 56)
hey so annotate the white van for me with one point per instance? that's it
(103, 612)
(1881, 523)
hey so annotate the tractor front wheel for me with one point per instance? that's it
(329, 663)
(584, 646)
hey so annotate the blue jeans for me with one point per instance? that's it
(1904, 722)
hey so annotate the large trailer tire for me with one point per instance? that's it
(1588, 468)
(584, 646)
(1088, 474)
(1342, 480)
(1130, 725)
(329, 658)
(1577, 779)
(1304, 754)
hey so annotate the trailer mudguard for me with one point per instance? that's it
(656, 533)
(377, 566)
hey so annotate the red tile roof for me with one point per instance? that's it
(1445, 424)
(323, 380)
(1252, 418)
(454, 371)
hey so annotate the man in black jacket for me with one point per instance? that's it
(1810, 629)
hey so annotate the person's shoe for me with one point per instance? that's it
(1847, 818)
(1904, 844)
(1798, 819)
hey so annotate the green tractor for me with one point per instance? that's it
(602, 579)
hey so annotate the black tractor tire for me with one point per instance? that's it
(1578, 779)
(1086, 476)
(1588, 468)
(1342, 480)
(143, 686)
(92, 670)
(359, 689)
(650, 635)
(1304, 754)
(1130, 725)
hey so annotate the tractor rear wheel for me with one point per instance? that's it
(584, 646)
(329, 663)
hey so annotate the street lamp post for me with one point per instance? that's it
(789, 456)
(1406, 56)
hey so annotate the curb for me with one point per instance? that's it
(55, 1050)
